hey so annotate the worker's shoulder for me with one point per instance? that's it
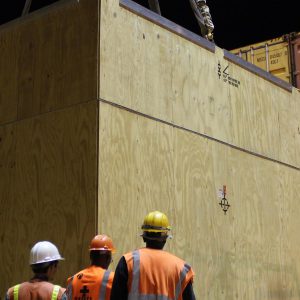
(78, 275)
(11, 289)
(9, 292)
(90, 271)
(163, 254)
(111, 275)
(61, 292)
(177, 259)
(172, 256)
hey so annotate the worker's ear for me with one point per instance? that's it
(51, 271)
(54, 266)
(109, 259)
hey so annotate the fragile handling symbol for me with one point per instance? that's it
(224, 203)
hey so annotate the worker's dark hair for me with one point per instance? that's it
(154, 240)
(100, 258)
(43, 267)
(98, 254)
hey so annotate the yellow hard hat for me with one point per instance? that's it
(156, 221)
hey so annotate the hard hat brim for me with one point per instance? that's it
(152, 228)
(103, 250)
(47, 260)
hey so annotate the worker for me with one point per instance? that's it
(94, 282)
(44, 258)
(151, 272)
(204, 19)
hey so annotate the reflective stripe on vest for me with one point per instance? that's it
(103, 286)
(184, 271)
(16, 291)
(53, 297)
(134, 292)
(55, 292)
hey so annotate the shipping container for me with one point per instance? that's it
(279, 56)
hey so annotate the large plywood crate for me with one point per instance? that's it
(108, 110)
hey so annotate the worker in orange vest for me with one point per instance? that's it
(94, 282)
(151, 272)
(44, 258)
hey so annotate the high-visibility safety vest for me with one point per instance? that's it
(156, 275)
(92, 283)
(54, 295)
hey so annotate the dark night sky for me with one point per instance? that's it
(237, 23)
(240, 23)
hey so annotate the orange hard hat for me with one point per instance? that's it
(102, 242)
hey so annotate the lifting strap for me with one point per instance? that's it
(154, 5)
(26, 8)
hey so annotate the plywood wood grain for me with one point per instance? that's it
(48, 60)
(149, 69)
(8, 76)
(294, 122)
(48, 189)
(168, 132)
(124, 186)
(248, 253)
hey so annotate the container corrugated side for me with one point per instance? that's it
(272, 56)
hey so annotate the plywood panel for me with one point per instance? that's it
(117, 196)
(288, 121)
(7, 178)
(49, 60)
(124, 187)
(8, 76)
(265, 118)
(48, 189)
(254, 114)
(248, 253)
(150, 69)
(296, 124)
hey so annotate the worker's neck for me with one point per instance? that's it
(40, 277)
(101, 264)
(155, 245)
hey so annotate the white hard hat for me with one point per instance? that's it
(43, 252)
